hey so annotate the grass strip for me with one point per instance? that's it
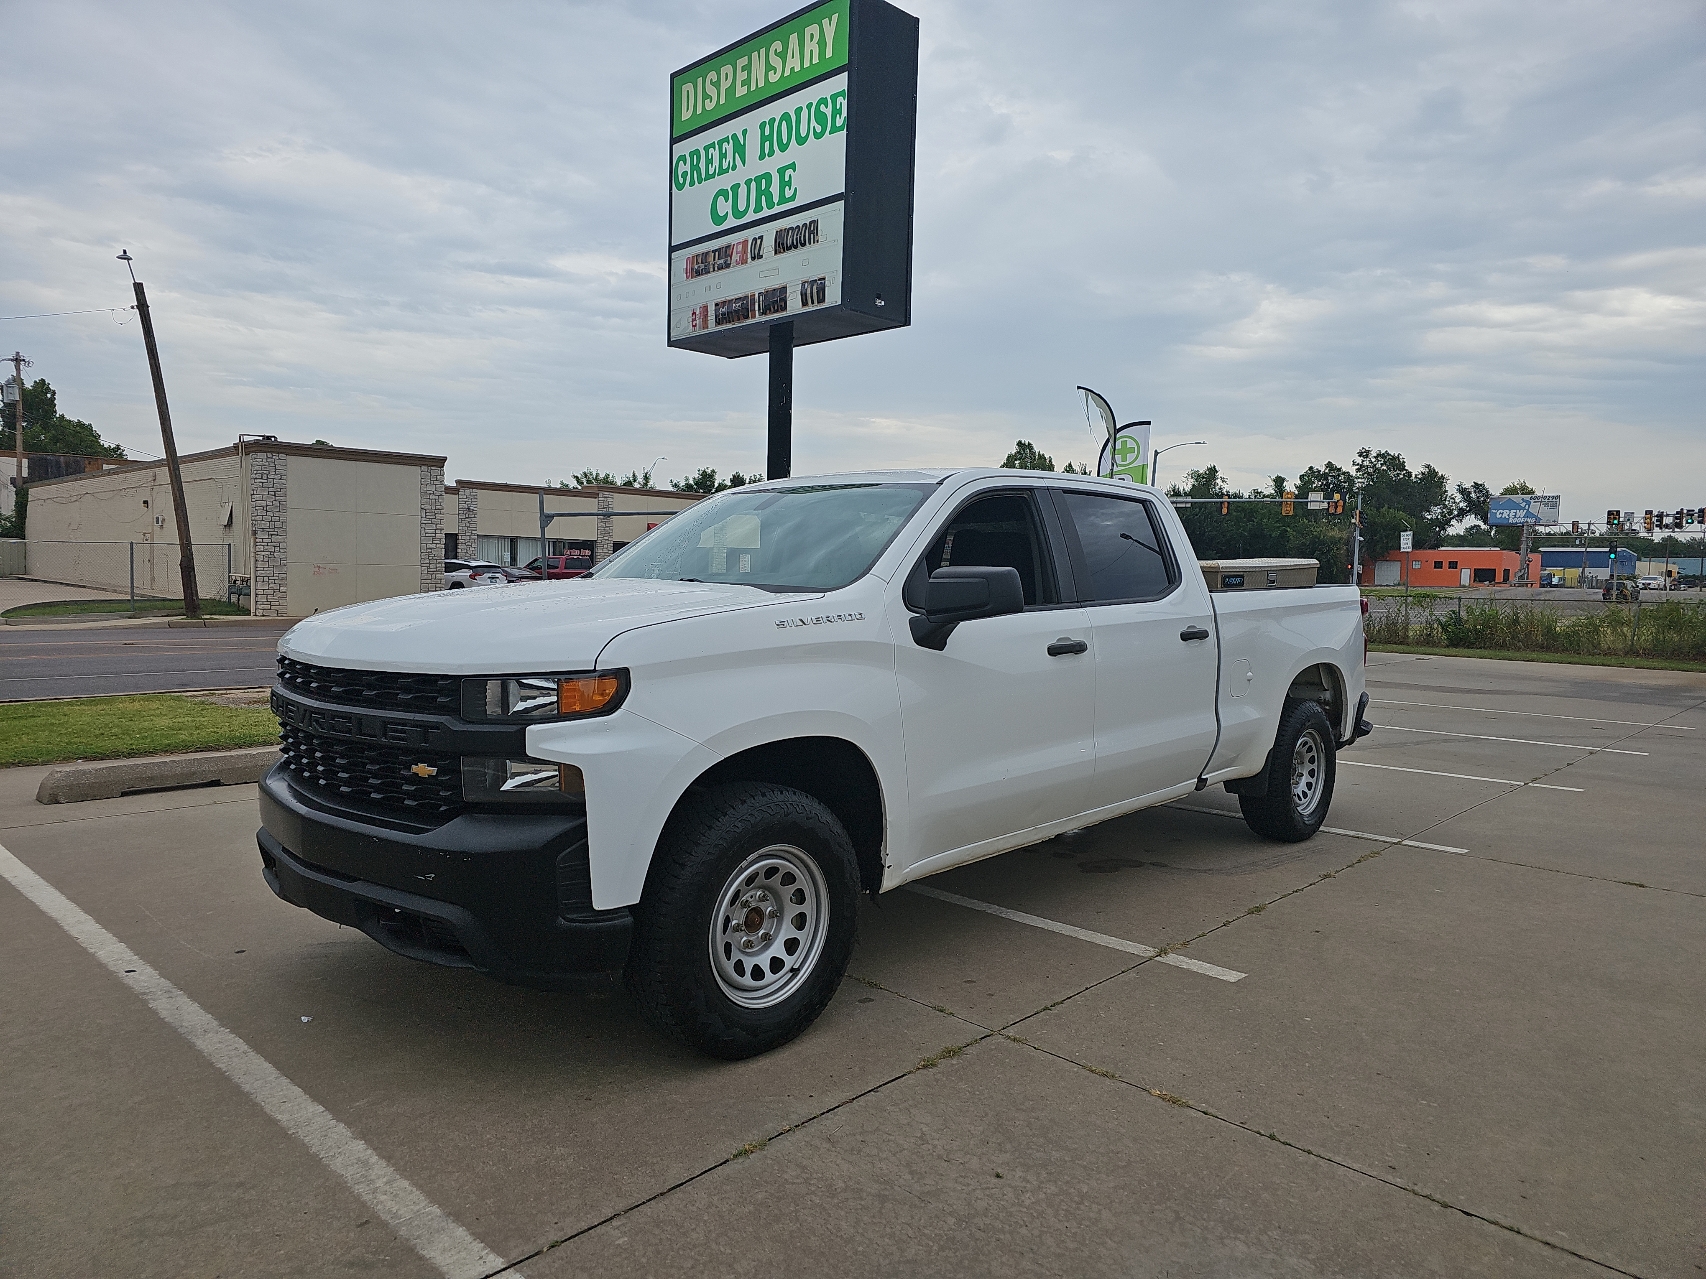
(122, 608)
(1568, 659)
(119, 727)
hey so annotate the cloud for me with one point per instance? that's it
(1472, 233)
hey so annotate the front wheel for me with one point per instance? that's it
(1301, 771)
(748, 919)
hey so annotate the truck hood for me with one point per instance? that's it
(494, 630)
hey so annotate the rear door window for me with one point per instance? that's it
(1123, 552)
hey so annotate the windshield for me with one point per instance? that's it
(814, 538)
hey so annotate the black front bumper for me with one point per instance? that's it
(507, 894)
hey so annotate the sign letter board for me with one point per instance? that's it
(790, 181)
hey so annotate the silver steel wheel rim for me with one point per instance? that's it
(1308, 761)
(768, 926)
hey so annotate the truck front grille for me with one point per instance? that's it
(373, 690)
(368, 774)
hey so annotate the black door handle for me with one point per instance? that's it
(1193, 633)
(1066, 645)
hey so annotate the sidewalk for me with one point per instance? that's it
(15, 592)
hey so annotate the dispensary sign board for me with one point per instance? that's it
(790, 181)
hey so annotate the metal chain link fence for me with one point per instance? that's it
(139, 570)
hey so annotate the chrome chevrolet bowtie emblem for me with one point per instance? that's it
(424, 770)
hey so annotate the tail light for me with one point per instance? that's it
(1363, 600)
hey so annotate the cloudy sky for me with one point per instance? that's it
(1471, 233)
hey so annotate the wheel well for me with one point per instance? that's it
(831, 770)
(1324, 684)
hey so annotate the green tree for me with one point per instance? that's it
(47, 430)
(584, 478)
(1025, 457)
(706, 481)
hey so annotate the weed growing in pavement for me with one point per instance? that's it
(751, 1148)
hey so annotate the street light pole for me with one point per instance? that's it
(1155, 459)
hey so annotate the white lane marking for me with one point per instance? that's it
(450, 1248)
(1491, 710)
(1520, 741)
(1082, 934)
(211, 670)
(1392, 839)
(1337, 830)
(1467, 777)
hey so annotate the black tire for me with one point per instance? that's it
(1301, 771)
(681, 986)
(456, 586)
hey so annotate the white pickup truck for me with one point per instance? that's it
(684, 767)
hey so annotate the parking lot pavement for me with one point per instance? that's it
(1008, 1161)
(1386, 1058)
(75, 661)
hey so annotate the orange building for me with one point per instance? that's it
(1451, 566)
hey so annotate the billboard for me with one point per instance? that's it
(1523, 509)
(791, 181)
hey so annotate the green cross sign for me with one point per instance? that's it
(1125, 452)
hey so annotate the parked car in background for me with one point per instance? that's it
(1626, 590)
(558, 567)
(1652, 582)
(462, 573)
(1551, 579)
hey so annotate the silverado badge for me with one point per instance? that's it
(424, 770)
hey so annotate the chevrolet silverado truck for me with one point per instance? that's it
(684, 768)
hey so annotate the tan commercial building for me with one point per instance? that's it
(295, 528)
(499, 523)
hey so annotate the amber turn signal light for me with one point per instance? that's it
(583, 694)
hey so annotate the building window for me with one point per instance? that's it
(1507, 575)
(1441, 564)
(1452, 564)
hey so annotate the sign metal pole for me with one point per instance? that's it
(779, 463)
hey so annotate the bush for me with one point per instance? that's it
(1669, 629)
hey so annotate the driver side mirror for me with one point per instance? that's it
(964, 594)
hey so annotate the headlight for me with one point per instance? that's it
(487, 780)
(536, 698)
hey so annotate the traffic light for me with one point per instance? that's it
(1337, 505)
(1225, 506)
(1613, 521)
(1647, 521)
(1575, 526)
(1676, 520)
(1286, 503)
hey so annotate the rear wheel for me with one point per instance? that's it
(748, 919)
(1301, 772)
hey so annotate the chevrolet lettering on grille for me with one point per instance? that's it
(371, 728)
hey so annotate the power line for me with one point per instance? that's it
(47, 315)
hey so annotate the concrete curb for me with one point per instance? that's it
(177, 622)
(82, 782)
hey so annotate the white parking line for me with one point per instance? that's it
(1519, 741)
(1490, 710)
(1467, 777)
(450, 1248)
(1337, 830)
(1082, 934)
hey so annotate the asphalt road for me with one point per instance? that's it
(74, 661)
(1464, 1040)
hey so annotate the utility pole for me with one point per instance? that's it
(186, 549)
(1356, 545)
(18, 363)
